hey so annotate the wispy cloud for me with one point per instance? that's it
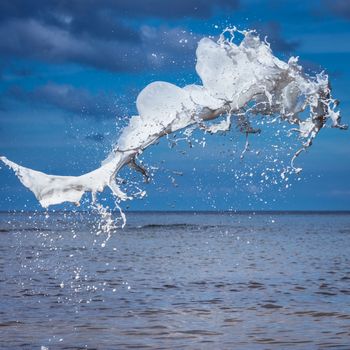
(69, 98)
(77, 12)
(340, 8)
(325, 43)
(273, 31)
(338, 193)
(34, 40)
(96, 33)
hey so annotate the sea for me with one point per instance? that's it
(175, 280)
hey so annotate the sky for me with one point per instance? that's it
(70, 72)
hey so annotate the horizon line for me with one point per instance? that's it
(287, 211)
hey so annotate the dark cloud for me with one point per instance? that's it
(68, 98)
(94, 18)
(105, 19)
(22, 72)
(339, 7)
(95, 33)
(70, 10)
(32, 39)
(273, 31)
(175, 9)
(2, 78)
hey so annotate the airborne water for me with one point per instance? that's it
(240, 82)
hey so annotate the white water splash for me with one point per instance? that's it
(240, 81)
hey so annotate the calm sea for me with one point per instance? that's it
(176, 281)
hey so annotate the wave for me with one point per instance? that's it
(178, 226)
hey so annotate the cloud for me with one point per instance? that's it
(338, 193)
(104, 34)
(273, 31)
(32, 39)
(70, 11)
(69, 98)
(325, 43)
(175, 9)
(21, 72)
(340, 8)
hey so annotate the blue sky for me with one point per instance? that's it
(70, 72)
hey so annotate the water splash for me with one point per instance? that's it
(240, 81)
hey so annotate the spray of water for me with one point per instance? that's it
(240, 80)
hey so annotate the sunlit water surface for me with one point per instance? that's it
(175, 281)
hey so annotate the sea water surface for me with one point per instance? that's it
(175, 281)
